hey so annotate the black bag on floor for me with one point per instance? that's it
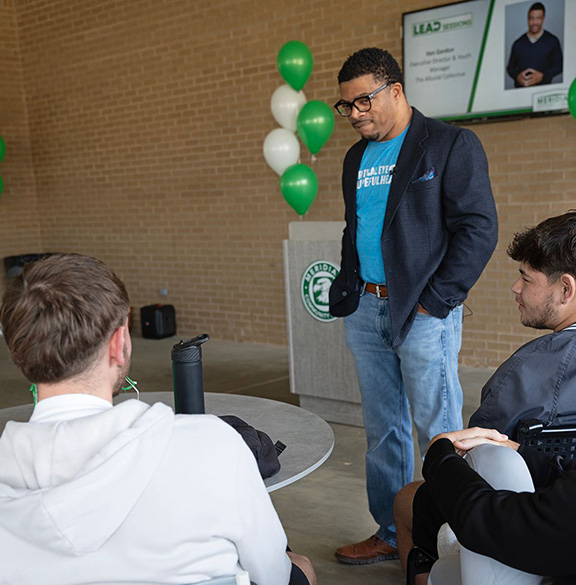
(260, 444)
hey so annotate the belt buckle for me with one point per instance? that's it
(378, 291)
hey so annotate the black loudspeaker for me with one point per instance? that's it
(158, 321)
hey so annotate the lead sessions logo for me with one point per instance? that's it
(316, 282)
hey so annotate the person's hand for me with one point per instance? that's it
(521, 78)
(467, 439)
(529, 77)
(467, 444)
(533, 77)
(304, 564)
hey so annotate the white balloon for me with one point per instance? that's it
(286, 104)
(281, 150)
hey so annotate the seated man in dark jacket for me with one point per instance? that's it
(539, 380)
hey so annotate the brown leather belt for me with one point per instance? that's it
(379, 290)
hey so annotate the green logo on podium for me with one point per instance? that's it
(316, 282)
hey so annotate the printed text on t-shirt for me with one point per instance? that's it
(374, 176)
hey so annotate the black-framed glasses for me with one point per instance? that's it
(362, 103)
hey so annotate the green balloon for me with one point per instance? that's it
(315, 124)
(299, 187)
(295, 63)
(2, 148)
(572, 99)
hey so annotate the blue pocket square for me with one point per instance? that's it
(427, 176)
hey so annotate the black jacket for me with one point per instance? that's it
(533, 532)
(537, 382)
(438, 233)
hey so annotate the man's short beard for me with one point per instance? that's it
(546, 318)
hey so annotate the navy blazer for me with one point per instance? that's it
(438, 234)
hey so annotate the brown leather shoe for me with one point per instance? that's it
(371, 550)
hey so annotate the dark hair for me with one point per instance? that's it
(371, 61)
(550, 247)
(57, 314)
(537, 6)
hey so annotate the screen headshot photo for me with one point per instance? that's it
(534, 41)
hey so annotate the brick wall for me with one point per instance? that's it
(147, 120)
(19, 225)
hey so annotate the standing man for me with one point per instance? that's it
(536, 57)
(420, 227)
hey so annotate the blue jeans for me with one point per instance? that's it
(420, 375)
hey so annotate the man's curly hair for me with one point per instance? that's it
(371, 61)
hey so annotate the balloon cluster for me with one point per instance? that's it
(314, 122)
(2, 153)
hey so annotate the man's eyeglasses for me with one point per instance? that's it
(362, 103)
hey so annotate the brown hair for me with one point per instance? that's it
(56, 315)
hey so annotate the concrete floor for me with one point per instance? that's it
(324, 510)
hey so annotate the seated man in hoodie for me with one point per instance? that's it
(96, 493)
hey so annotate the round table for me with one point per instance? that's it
(308, 438)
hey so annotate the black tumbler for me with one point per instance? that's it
(187, 375)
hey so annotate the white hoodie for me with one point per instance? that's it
(131, 494)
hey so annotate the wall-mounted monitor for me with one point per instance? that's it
(479, 60)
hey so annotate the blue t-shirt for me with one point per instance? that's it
(372, 189)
